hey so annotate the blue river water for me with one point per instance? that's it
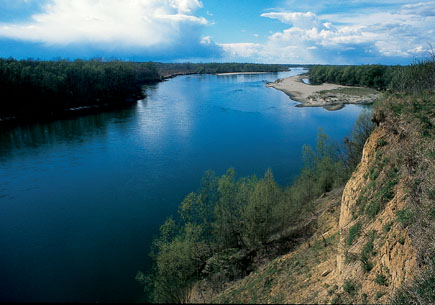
(82, 198)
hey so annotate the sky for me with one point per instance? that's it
(273, 31)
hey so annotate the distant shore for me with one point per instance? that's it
(236, 73)
(325, 95)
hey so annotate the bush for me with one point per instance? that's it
(404, 216)
(350, 287)
(353, 233)
(381, 280)
(367, 251)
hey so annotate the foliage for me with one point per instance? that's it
(381, 280)
(367, 252)
(229, 217)
(350, 287)
(169, 69)
(404, 216)
(415, 79)
(353, 145)
(371, 76)
(353, 233)
(30, 87)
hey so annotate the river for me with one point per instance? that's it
(81, 198)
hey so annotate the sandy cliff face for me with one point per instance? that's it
(381, 256)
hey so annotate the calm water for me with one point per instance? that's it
(80, 199)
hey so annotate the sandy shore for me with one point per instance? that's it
(325, 95)
(237, 73)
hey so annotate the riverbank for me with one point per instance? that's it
(240, 73)
(325, 95)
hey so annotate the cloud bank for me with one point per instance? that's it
(147, 26)
(364, 37)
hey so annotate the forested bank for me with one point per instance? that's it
(31, 88)
(171, 69)
(34, 89)
(412, 79)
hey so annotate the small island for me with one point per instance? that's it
(329, 96)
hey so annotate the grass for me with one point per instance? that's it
(381, 280)
(381, 142)
(387, 227)
(350, 287)
(353, 233)
(405, 217)
(367, 252)
(385, 192)
(356, 91)
(373, 208)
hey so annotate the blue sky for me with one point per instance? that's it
(277, 31)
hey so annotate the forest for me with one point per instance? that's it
(34, 89)
(170, 69)
(415, 78)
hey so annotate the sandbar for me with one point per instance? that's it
(323, 95)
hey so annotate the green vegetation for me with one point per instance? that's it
(170, 69)
(34, 89)
(416, 79)
(372, 76)
(353, 233)
(46, 87)
(362, 129)
(367, 252)
(350, 287)
(404, 216)
(387, 227)
(357, 91)
(381, 280)
(229, 217)
(229, 220)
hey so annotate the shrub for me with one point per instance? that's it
(387, 227)
(353, 233)
(367, 251)
(350, 287)
(404, 216)
(381, 280)
(373, 208)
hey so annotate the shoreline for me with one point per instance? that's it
(325, 95)
(241, 73)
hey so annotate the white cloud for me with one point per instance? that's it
(297, 19)
(421, 9)
(346, 38)
(114, 23)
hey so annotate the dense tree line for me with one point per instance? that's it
(31, 88)
(34, 88)
(229, 217)
(373, 76)
(416, 78)
(168, 69)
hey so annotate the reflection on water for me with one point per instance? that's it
(80, 199)
(30, 138)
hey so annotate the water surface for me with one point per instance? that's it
(80, 199)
